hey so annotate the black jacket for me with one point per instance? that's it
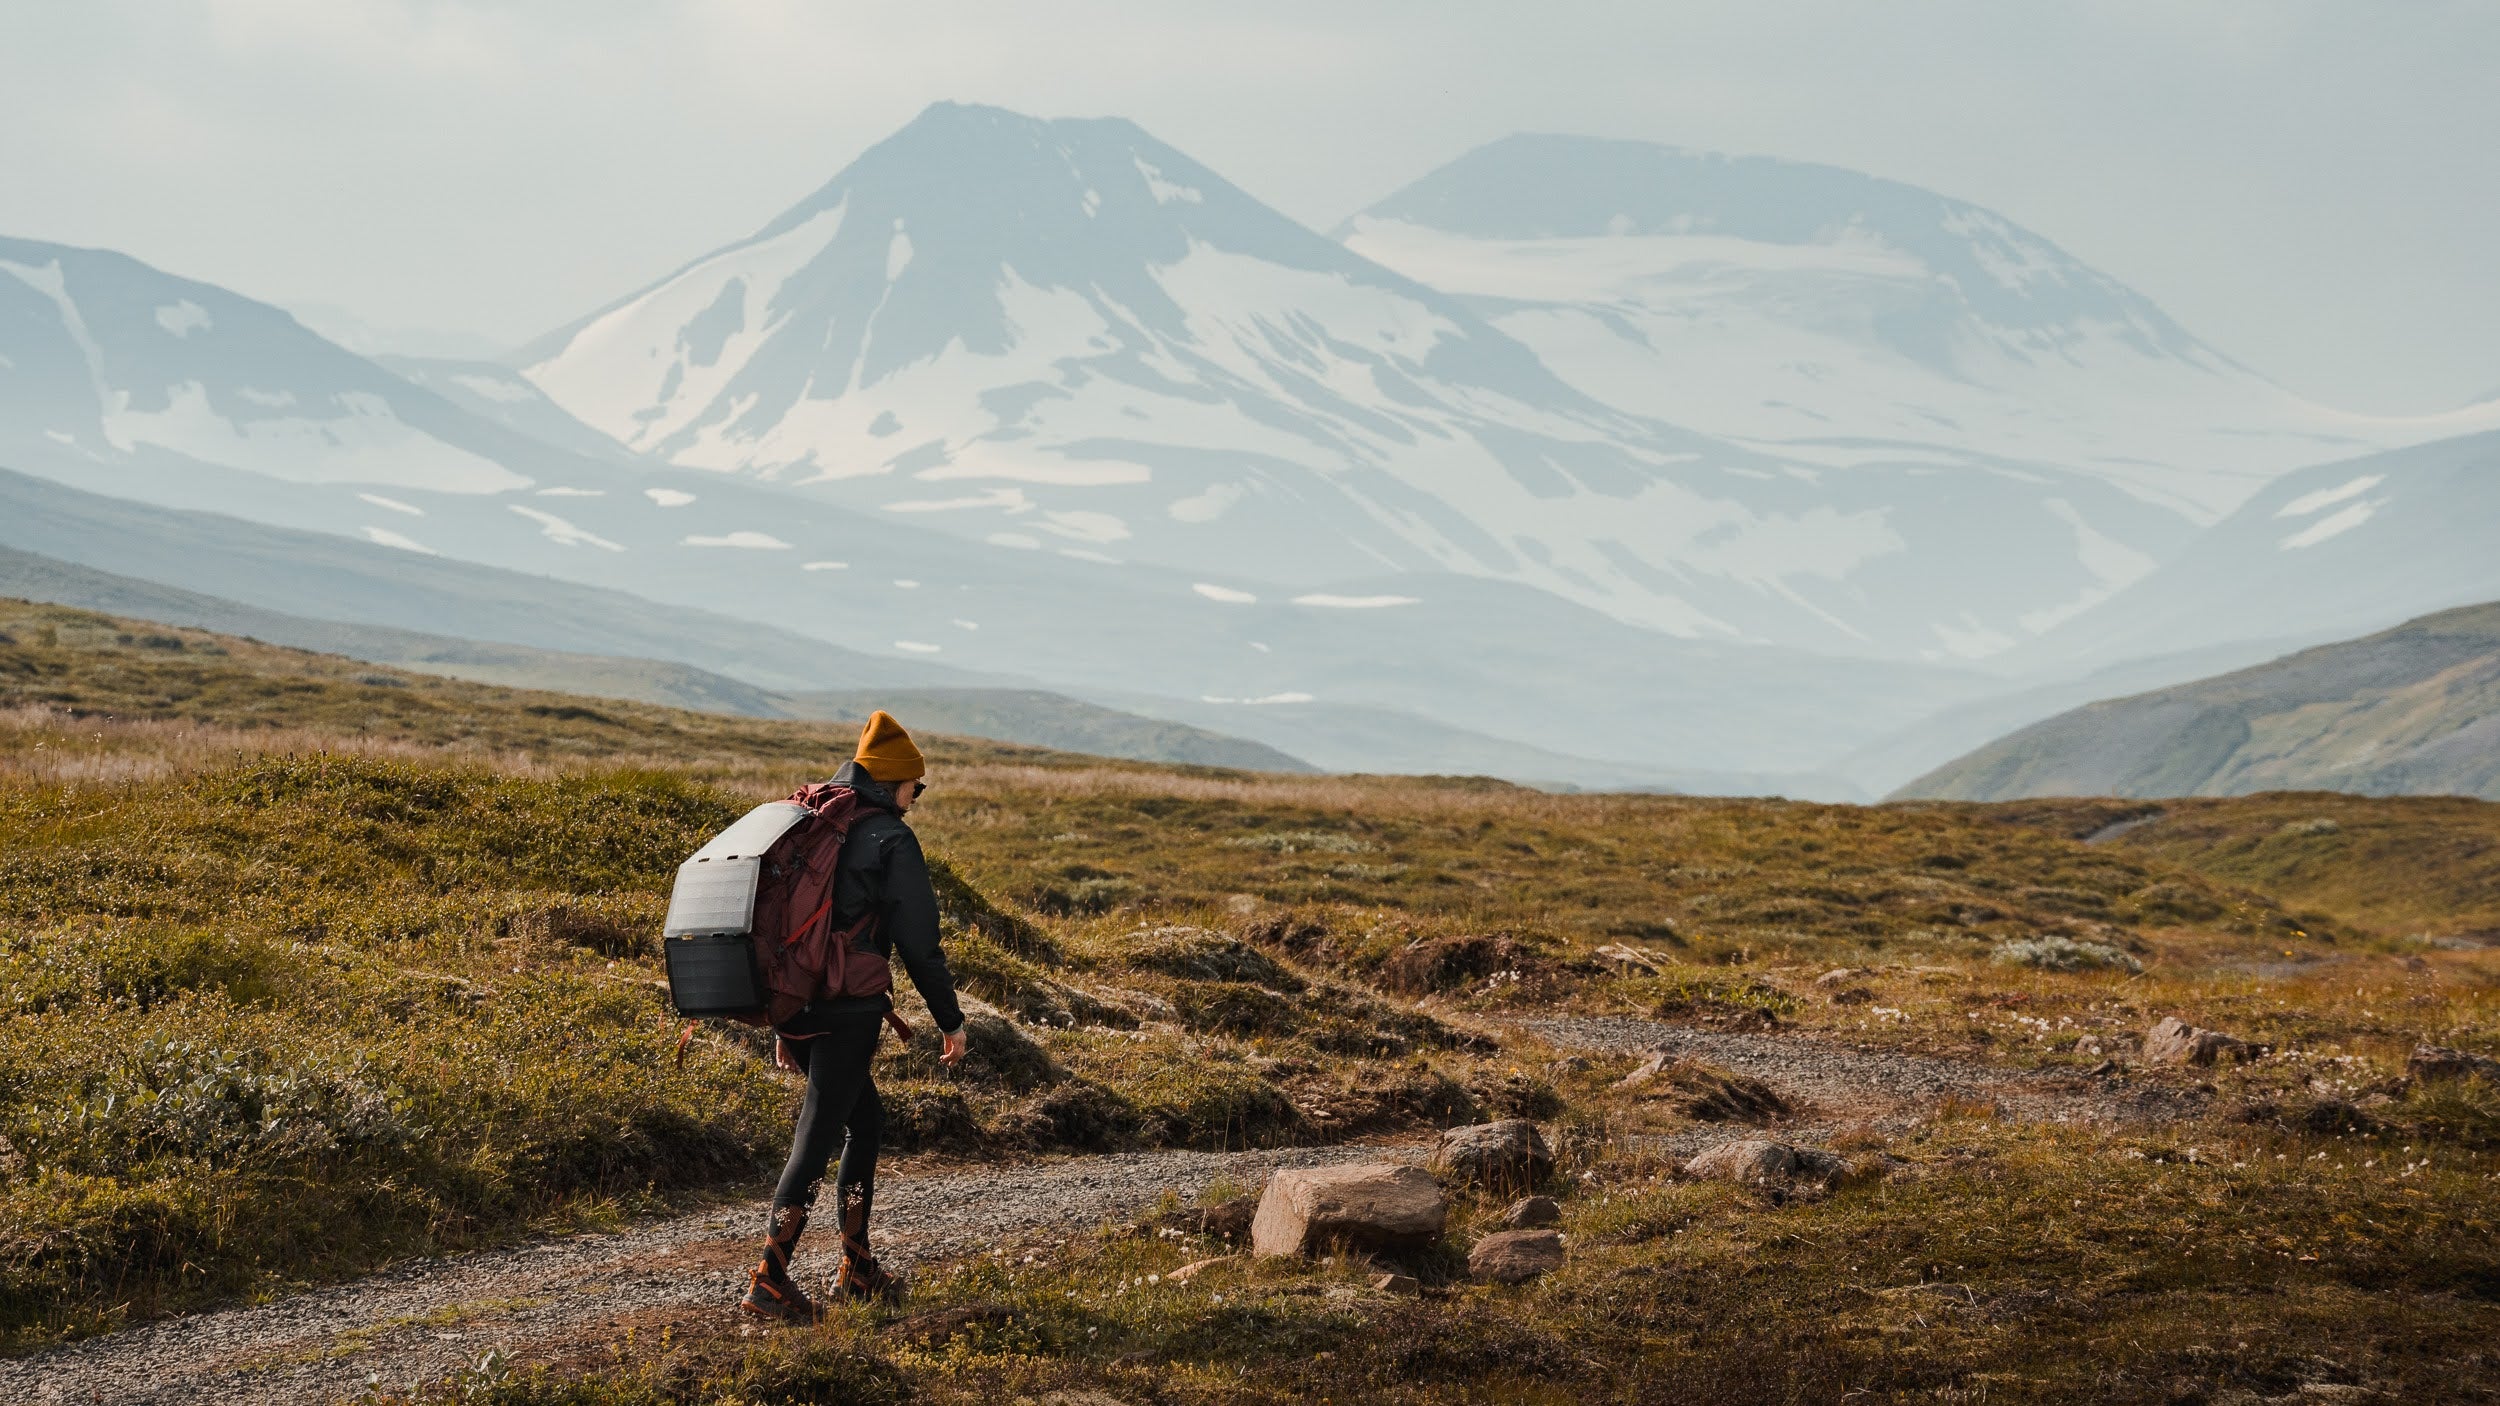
(882, 869)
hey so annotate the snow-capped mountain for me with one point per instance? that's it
(278, 427)
(2329, 551)
(1066, 334)
(1049, 402)
(1838, 319)
(108, 362)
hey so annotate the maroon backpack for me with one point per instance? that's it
(750, 933)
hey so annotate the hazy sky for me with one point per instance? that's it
(2313, 187)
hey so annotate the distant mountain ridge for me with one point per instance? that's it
(2412, 710)
(1028, 716)
(1675, 469)
(1067, 335)
(2353, 545)
(1842, 318)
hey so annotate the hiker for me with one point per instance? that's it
(834, 1039)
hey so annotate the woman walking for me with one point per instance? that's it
(834, 1039)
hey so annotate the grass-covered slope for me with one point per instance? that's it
(2425, 867)
(2409, 711)
(306, 966)
(309, 966)
(1030, 716)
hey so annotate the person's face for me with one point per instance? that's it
(908, 792)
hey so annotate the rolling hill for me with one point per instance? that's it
(1027, 716)
(2412, 710)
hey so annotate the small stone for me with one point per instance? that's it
(1515, 1256)
(1231, 1220)
(1505, 1153)
(1396, 1284)
(1080, 1397)
(1368, 1205)
(1533, 1212)
(1567, 1066)
(2174, 1041)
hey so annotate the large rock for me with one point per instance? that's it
(2436, 1063)
(1509, 1153)
(2174, 1041)
(1367, 1206)
(1515, 1256)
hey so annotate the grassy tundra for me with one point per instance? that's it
(311, 966)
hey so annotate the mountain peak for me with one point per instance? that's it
(1534, 185)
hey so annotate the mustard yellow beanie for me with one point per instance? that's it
(886, 751)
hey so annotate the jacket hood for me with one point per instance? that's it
(870, 789)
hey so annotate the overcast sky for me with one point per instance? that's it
(2313, 187)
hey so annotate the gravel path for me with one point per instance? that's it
(1839, 1082)
(427, 1318)
(422, 1320)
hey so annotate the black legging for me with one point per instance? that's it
(841, 1099)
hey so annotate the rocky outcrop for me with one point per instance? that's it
(1508, 1153)
(2174, 1041)
(1515, 1256)
(1374, 1206)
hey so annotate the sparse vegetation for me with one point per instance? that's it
(309, 969)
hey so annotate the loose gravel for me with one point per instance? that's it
(428, 1318)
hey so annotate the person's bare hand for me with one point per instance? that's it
(956, 1045)
(781, 1055)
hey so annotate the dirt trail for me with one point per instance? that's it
(432, 1317)
(429, 1318)
(1837, 1082)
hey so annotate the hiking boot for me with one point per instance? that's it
(777, 1297)
(771, 1292)
(861, 1276)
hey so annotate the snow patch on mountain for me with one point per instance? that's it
(127, 363)
(2334, 524)
(2308, 503)
(562, 532)
(182, 318)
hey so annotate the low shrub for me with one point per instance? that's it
(2059, 953)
